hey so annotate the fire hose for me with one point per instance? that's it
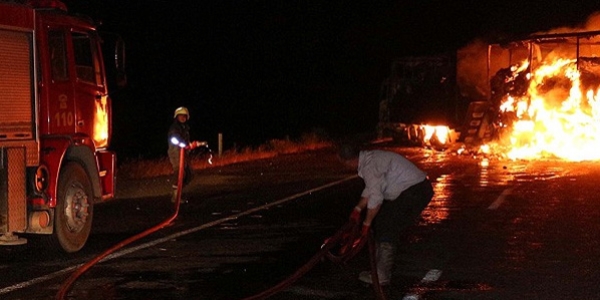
(66, 286)
(339, 248)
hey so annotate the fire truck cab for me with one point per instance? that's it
(55, 125)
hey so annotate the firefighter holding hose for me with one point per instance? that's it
(179, 137)
(396, 192)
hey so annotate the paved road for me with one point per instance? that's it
(507, 230)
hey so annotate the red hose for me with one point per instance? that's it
(309, 265)
(346, 238)
(374, 276)
(350, 243)
(66, 286)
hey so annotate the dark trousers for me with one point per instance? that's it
(395, 216)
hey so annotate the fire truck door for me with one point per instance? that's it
(92, 113)
(60, 91)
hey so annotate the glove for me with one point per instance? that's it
(196, 144)
(355, 215)
(364, 233)
(365, 230)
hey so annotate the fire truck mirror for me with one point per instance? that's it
(120, 63)
(113, 48)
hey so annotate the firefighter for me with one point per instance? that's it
(396, 192)
(179, 137)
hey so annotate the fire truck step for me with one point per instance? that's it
(9, 239)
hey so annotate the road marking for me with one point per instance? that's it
(431, 276)
(500, 199)
(126, 251)
(37, 280)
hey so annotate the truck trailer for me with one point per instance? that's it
(485, 90)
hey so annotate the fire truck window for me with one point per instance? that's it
(58, 55)
(85, 59)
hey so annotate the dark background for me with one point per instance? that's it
(259, 70)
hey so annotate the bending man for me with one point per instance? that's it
(396, 192)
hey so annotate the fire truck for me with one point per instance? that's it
(55, 124)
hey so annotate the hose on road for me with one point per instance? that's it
(66, 286)
(340, 248)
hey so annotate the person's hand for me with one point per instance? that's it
(355, 215)
(364, 234)
(196, 144)
(366, 228)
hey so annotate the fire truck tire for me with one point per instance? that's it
(74, 209)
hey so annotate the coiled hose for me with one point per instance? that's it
(345, 244)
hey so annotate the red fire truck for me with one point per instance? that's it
(55, 125)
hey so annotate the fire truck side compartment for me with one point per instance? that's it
(13, 207)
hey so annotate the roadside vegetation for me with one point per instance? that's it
(148, 168)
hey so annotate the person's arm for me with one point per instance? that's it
(371, 213)
(356, 212)
(362, 203)
(369, 216)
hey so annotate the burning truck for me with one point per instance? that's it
(527, 98)
(418, 101)
(546, 101)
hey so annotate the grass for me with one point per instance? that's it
(148, 168)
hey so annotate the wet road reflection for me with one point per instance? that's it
(498, 230)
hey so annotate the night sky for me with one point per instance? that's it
(258, 70)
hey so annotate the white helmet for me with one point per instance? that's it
(181, 111)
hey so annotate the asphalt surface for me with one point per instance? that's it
(502, 230)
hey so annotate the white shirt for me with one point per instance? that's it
(386, 175)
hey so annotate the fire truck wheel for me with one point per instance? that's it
(74, 209)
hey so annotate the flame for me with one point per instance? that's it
(557, 117)
(101, 123)
(440, 132)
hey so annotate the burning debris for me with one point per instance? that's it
(549, 109)
(540, 94)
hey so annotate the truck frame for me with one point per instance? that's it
(464, 90)
(418, 96)
(55, 125)
(498, 76)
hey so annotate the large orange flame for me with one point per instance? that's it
(556, 117)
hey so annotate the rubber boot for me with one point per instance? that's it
(384, 254)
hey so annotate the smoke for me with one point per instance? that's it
(591, 24)
(471, 70)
